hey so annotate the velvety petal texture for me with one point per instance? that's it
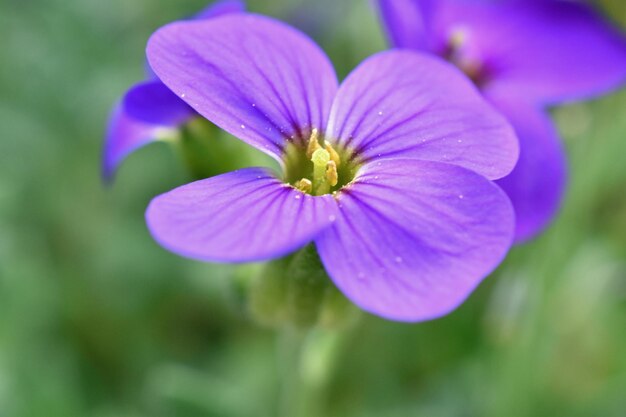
(536, 185)
(254, 77)
(409, 104)
(414, 238)
(125, 134)
(242, 216)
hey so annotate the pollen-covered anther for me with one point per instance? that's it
(305, 185)
(331, 173)
(466, 60)
(471, 67)
(334, 156)
(458, 37)
(314, 143)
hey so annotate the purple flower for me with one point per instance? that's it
(149, 111)
(523, 55)
(389, 174)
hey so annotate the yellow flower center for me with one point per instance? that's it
(318, 168)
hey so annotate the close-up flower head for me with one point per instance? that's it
(388, 173)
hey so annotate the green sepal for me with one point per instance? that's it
(296, 291)
(207, 151)
(267, 296)
(307, 285)
(337, 311)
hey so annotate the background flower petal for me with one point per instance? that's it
(406, 22)
(536, 185)
(254, 77)
(413, 247)
(241, 216)
(220, 8)
(152, 102)
(409, 104)
(545, 51)
(126, 134)
(150, 106)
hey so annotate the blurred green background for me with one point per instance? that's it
(97, 320)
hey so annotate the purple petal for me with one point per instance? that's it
(536, 185)
(152, 102)
(220, 8)
(241, 216)
(254, 77)
(407, 22)
(217, 9)
(408, 104)
(415, 238)
(544, 51)
(126, 134)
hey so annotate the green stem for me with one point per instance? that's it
(289, 358)
(307, 361)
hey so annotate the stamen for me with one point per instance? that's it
(314, 143)
(471, 67)
(305, 185)
(331, 169)
(465, 59)
(458, 37)
(334, 156)
(331, 173)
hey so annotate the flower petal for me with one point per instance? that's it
(254, 77)
(536, 185)
(544, 51)
(409, 104)
(415, 238)
(213, 10)
(407, 22)
(126, 134)
(152, 102)
(241, 216)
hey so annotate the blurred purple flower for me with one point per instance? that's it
(389, 174)
(149, 110)
(523, 55)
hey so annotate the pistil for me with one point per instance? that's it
(314, 143)
(320, 159)
(334, 156)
